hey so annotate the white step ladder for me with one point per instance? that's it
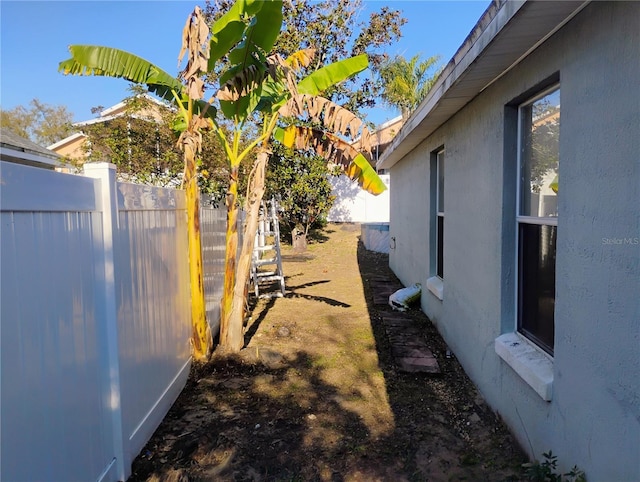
(266, 263)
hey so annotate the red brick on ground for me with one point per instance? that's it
(422, 365)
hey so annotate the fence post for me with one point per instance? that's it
(106, 173)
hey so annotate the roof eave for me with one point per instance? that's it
(21, 156)
(66, 140)
(115, 108)
(506, 33)
(97, 120)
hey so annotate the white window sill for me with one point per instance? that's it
(533, 365)
(436, 286)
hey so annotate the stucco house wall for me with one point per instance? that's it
(409, 218)
(593, 417)
(71, 147)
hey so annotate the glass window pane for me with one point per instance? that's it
(440, 243)
(537, 283)
(539, 155)
(441, 181)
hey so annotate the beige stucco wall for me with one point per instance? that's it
(72, 149)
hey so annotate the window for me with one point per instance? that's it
(440, 214)
(436, 240)
(537, 216)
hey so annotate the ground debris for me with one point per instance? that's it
(330, 399)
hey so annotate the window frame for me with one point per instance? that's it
(521, 219)
(435, 282)
(439, 214)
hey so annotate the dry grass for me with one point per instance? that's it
(316, 395)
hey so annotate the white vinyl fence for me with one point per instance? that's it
(213, 224)
(95, 320)
(354, 205)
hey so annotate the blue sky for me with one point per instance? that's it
(34, 36)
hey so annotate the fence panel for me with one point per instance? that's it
(213, 225)
(57, 416)
(95, 320)
(153, 299)
(213, 231)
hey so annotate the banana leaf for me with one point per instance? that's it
(320, 80)
(111, 62)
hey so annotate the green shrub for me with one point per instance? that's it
(546, 471)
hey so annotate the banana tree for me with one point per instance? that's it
(186, 93)
(254, 84)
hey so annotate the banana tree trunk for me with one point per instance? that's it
(201, 338)
(227, 333)
(235, 338)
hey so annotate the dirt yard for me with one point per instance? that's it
(316, 395)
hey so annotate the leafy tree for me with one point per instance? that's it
(336, 30)
(543, 144)
(253, 83)
(406, 82)
(300, 181)
(140, 143)
(42, 123)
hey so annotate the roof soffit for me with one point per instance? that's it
(505, 34)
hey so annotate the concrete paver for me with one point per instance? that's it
(408, 345)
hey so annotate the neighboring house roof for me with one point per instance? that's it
(14, 148)
(380, 138)
(506, 33)
(385, 133)
(71, 146)
(66, 140)
(390, 123)
(120, 107)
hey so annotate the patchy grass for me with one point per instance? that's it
(316, 395)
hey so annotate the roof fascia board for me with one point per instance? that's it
(465, 56)
(540, 42)
(97, 120)
(388, 123)
(27, 158)
(453, 89)
(120, 105)
(113, 108)
(66, 140)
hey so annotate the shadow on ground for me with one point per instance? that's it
(257, 423)
(316, 396)
(450, 431)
